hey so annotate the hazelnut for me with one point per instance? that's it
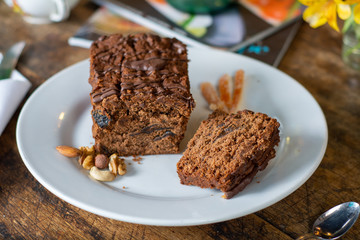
(101, 161)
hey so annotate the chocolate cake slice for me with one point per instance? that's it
(228, 150)
(140, 94)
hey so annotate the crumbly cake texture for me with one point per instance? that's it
(228, 150)
(140, 94)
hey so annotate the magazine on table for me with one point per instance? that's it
(233, 28)
(105, 22)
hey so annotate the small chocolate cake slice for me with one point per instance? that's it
(228, 150)
(140, 94)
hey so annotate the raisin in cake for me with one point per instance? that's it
(140, 94)
(228, 150)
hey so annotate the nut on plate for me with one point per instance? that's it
(101, 161)
(86, 151)
(68, 151)
(101, 175)
(122, 167)
(117, 165)
(88, 162)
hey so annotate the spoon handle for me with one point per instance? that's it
(308, 236)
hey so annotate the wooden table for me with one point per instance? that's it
(29, 211)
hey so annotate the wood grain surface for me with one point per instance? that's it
(29, 211)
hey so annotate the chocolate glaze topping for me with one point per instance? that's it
(143, 63)
(147, 65)
(103, 93)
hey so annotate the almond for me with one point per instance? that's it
(68, 151)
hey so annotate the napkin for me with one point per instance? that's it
(12, 91)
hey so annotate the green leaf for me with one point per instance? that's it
(348, 22)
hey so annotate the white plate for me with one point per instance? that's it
(58, 113)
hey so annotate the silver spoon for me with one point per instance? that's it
(335, 222)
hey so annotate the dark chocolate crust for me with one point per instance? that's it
(140, 94)
(228, 150)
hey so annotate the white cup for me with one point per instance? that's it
(43, 11)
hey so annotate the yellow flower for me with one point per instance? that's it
(320, 12)
(357, 13)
